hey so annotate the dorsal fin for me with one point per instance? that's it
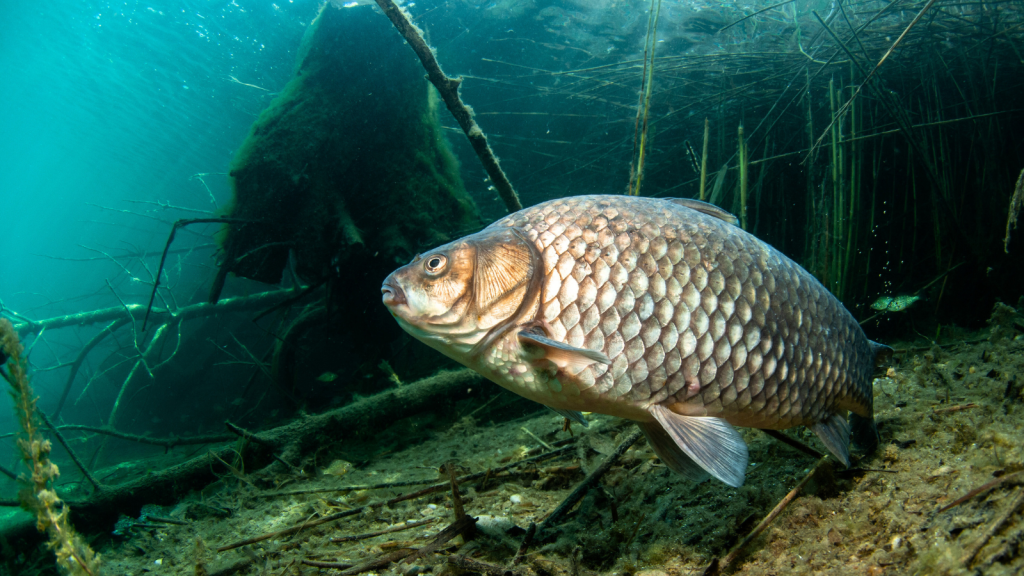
(705, 208)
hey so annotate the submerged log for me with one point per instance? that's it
(290, 442)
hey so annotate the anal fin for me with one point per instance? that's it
(834, 433)
(712, 443)
(673, 457)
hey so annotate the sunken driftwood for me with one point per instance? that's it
(290, 442)
(448, 88)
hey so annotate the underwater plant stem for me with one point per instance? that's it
(73, 554)
(743, 178)
(581, 490)
(636, 178)
(449, 90)
(704, 162)
(752, 14)
(735, 552)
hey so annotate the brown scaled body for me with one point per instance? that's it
(660, 311)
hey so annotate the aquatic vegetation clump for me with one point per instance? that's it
(74, 556)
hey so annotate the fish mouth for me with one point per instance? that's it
(391, 293)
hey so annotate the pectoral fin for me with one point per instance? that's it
(571, 415)
(563, 355)
(834, 433)
(712, 443)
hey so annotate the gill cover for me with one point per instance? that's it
(506, 285)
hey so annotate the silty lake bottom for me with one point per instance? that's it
(261, 412)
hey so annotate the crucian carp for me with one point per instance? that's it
(661, 311)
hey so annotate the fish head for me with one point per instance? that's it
(460, 296)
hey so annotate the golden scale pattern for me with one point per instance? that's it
(687, 305)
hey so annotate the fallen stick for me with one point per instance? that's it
(531, 531)
(956, 408)
(972, 550)
(980, 489)
(318, 564)
(581, 490)
(399, 528)
(718, 567)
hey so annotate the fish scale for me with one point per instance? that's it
(660, 311)
(722, 320)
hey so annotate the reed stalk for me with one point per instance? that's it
(854, 193)
(704, 163)
(835, 275)
(743, 178)
(652, 32)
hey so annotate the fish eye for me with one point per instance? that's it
(435, 263)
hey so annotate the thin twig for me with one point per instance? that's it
(581, 490)
(398, 528)
(167, 246)
(74, 457)
(731, 556)
(92, 343)
(986, 486)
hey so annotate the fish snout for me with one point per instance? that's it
(391, 293)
